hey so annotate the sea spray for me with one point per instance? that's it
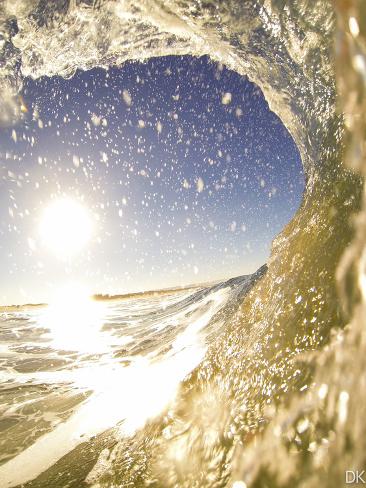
(277, 398)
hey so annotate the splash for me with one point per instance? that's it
(288, 369)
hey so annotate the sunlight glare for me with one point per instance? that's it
(65, 227)
(75, 320)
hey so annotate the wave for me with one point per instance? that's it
(287, 369)
(57, 392)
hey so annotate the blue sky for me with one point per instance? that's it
(186, 172)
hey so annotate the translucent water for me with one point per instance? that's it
(276, 399)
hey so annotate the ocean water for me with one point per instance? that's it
(273, 394)
(71, 371)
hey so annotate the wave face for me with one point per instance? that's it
(284, 369)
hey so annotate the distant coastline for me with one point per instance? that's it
(145, 294)
(17, 308)
(101, 297)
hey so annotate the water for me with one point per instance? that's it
(276, 399)
(74, 369)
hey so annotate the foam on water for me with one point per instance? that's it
(124, 379)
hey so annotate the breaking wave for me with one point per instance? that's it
(275, 400)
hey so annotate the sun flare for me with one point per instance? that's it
(65, 227)
(74, 319)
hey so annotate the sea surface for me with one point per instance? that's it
(71, 371)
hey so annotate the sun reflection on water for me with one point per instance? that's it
(75, 320)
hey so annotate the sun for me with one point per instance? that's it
(65, 227)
